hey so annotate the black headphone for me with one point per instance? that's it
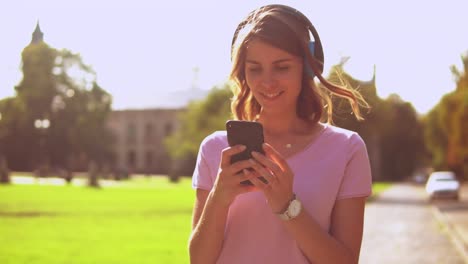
(315, 46)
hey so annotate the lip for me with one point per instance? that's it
(271, 96)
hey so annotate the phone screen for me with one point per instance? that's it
(247, 133)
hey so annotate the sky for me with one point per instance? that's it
(141, 50)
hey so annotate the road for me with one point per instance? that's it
(401, 226)
(455, 215)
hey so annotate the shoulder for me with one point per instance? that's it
(341, 133)
(342, 137)
(217, 137)
(215, 141)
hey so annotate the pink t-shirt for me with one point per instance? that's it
(334, 166)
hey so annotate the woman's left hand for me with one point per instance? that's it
(274, 168)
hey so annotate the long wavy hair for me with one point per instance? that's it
(283, 30)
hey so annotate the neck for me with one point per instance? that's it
(281, 124)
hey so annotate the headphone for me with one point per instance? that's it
(315, 46)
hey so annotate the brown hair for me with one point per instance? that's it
(283, 30)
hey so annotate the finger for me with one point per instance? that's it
(256, 181)
(276, 156)
(227, 153)
(262, 171)
(240, 165)
(271, 165)
(246, 175)
(249, 174)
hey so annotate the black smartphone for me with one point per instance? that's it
(249, 134)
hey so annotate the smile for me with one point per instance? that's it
(271, 95)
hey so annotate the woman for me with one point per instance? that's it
(311, 208)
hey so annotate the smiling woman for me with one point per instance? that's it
(309, 207)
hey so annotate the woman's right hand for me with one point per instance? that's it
(228, 182)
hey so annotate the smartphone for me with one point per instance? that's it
(249, 134)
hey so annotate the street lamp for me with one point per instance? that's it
(42, 125)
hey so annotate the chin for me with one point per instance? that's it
(277, 109)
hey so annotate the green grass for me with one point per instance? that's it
(144, 220)
(141, 221)
(379, 187)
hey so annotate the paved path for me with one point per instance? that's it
(455, 215)
(401, 227)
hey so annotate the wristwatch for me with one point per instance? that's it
(293, 210)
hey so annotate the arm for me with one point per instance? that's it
(209, 220)
(342, 245)
(211, 208)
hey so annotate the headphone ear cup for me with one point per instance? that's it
(312, 47)
(307, 67)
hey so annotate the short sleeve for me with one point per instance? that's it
(357, 180)
(201, 177)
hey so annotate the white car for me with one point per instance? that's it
(443, 184)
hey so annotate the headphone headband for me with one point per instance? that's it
(317, 51)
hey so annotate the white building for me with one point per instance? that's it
(140, 134)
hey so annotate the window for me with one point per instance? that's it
(149, 133)
(131, 133)
(149, 159)
(131, 159)
(168, 129)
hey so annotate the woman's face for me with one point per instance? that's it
(274, 76)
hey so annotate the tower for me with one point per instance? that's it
(37, 35)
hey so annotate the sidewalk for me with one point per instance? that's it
(400, 227)
(455, 216)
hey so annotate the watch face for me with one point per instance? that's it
(294, 208)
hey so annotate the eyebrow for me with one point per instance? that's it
(274, 62)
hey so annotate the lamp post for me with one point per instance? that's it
(42, 125)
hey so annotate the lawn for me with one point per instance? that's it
(145, 220)
(379, 187)
(141, 221)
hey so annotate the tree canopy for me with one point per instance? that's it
(59, 88)
(391, 128)
(446, 126)
(201, 118)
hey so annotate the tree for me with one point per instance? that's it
(13, 137)
(199, 120)
(58, 87)
(391, 129)
(402, 147)
(4, 171)
(446, 127)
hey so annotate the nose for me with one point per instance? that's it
(268, 80)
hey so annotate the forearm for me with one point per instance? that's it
(317, 245)
(207, 237)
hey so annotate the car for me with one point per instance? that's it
(443, 184)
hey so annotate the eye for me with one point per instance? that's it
(283, 68)
(254, 69)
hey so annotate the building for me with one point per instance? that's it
(37, 35)
(140, 135)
